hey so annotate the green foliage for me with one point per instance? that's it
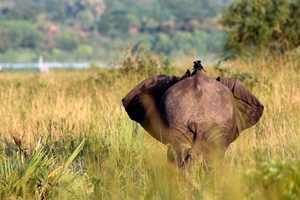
(140, 59)
(163, 43)
(18, 34)
(193, 9)
(116, 24)
(255, 26)
(69, 40)
(36, 174)
(250, 79)
(26, 10)
(276, 180)
(84, 50)
(104, 25)
(19, 55)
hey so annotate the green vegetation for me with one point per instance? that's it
(16, 34)
(51, 114)
(37, 174)
(65, 134)
(257, 27)
(90, 30)
(85, 30)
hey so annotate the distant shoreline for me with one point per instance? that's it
(80, 65)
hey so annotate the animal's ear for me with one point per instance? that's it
(143, 100)
(249, 108)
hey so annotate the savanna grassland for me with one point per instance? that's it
(65, 135)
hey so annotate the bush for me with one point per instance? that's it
(69, 41)
(17, 33)
(255, 26)
(249, 79)
(141, 59)
(276, 180)
(35, 174)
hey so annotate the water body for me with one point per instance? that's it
(77, 65)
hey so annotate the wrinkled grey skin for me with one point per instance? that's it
(194, 114)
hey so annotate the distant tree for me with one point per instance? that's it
(85, 19)
(254, 26)
(162, 43)
(83, 14)
(291, 31)
(18, 34)
(192, 9)
(103, 28)
(20, 9)
(69, 41)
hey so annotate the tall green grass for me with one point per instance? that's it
(51, 115)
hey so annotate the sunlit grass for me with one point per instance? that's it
(53, 113)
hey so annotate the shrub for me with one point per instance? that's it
(36, 174)
(255, 26)
(141, 59)
(17, 33)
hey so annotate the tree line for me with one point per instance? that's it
(102, 29)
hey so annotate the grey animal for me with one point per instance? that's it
(193, 114)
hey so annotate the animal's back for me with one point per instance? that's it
(199, 105)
